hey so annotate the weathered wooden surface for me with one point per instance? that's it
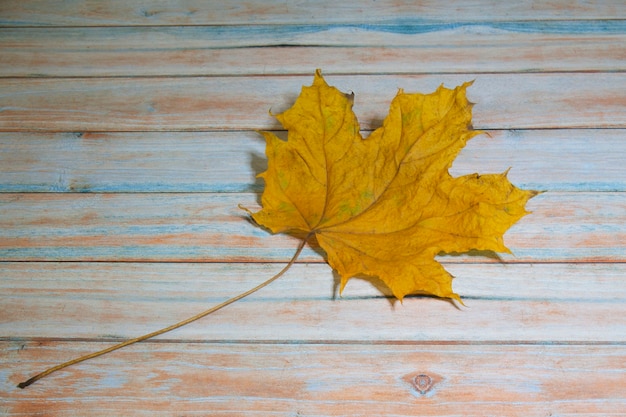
(219, 162)
(507, 101)
(127, 140)
(326, 379)
(363, 49)
(533, 303)
(281, 12)
(564, 227)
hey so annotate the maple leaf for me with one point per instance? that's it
(386, 205)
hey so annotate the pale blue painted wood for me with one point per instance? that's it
(231, 36)
(151, 227)
(224, 162)
(542, 303)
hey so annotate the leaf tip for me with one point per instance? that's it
(534, 193)
(456, 301)
(342, 284)
(319, 78)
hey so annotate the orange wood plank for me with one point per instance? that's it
(323, 380)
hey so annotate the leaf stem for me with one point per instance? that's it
(169, 328)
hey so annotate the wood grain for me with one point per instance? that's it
(263, 49)
(506, 101)
(127, 140)
(201, 12)
(506, 303)
(218, 162)
(327, 379)
(564, 227)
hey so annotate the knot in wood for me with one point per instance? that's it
(422, 383)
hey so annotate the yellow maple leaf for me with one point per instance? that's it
(386, 205)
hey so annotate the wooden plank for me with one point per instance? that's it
(572, 227)
(201, 12)
(212, 282)
(144, 40)
(505, 101)
(538, 303)
(230, 161)
(218, 50)
(321, 380)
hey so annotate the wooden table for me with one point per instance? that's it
(128, 139)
